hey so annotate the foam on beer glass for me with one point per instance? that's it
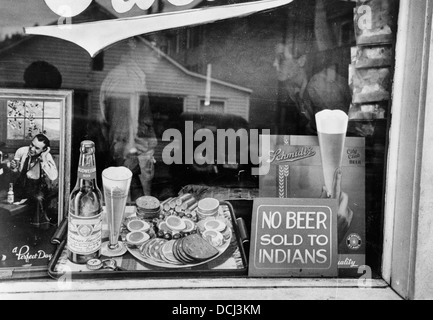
(114, 175)
(331, 129)
(116, 182)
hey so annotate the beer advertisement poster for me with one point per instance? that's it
(294, 238)
(34, 178)
(296, 171)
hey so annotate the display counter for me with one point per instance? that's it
(192, 286)
(198, 289)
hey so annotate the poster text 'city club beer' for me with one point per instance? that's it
(294, 238)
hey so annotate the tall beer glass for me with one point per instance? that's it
(116, 182)
(331, 129)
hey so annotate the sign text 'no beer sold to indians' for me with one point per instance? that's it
(294, 237)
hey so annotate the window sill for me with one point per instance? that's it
(203, 289)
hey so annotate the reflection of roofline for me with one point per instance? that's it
(190, 73)
(147, 43)
(159, 52)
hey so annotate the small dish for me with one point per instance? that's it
(215, 224)
(137, 238)
(138, 225)
(215, 238)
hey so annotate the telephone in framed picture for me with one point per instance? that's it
(35, 135)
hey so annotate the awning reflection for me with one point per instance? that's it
(95, 36)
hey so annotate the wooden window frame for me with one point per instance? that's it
(407, 239)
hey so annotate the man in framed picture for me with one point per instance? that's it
(35, 169)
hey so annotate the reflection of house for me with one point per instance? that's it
(172, 88)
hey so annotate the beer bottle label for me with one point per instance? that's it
(11, 198)
(86, 173)
(84, 234)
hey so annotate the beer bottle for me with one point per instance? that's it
(11, 194)
(85, 210)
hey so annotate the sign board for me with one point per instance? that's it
(29, 218)
(294, 238)
(296, 172)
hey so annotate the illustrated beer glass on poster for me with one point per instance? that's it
(310, 217)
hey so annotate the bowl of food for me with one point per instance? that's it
(207, 208)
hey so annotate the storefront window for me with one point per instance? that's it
(264, 73)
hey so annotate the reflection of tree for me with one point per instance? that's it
(19, 112)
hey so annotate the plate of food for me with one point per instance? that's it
(185, 241)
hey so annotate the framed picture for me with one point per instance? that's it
(35, 152)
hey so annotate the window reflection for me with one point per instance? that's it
(126, 113)
(272, 70)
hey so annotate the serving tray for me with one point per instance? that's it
(232, 262)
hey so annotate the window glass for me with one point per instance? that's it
(270, 71)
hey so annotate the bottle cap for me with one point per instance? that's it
(94, 264)
(110, 264)
(87, 146)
